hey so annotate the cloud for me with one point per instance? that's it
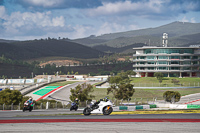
(58, 4)
(2, 12)
(150, 9)
(106, 28)
(127, 7)
(29, 23)
(81, 18)
(184, 19)
(18, 19)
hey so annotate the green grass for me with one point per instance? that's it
(62, 83)
(154, 93)
(145, 93)
(166, 82)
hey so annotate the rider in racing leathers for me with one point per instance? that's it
(30, 101)
(95, 105)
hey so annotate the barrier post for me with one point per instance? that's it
(41, 106)
(12, 106)
(33, 106)
(19, 106)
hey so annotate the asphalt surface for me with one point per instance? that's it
(66, 114)
(148, 125)
(64, 94)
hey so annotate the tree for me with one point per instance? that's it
(175, 81)
(76, 73)
(159, 76)
(82, 92)
(8, 96)
(120, 87)
(172, 96)
(130, 72)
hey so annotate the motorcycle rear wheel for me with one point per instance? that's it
(107, 111)
(86, 111)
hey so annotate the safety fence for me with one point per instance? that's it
(137, 103)
(62, 105)
(189, 84)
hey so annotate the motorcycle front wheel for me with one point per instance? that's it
(24, 109)
(86, 111)
(107, 110)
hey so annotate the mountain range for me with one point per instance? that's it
(179, 33)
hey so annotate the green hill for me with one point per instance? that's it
(126, 49)
(173, 29)
(24, 50)
(180, 34)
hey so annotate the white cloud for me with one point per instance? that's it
(2, 12)
(110, 28)
(137, 8)
(184, 19)
(193, 20)
(18, 19)
(44, 3)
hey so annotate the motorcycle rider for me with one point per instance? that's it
(76, 101)
(74, 105)
(95, 105)
(29, 101)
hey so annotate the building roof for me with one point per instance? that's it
(154, 47)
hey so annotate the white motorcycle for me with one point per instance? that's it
(102, 108)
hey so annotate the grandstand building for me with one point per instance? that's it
(171, 61)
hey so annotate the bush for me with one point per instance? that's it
(172, 96)
(175, 81)
(8, 96)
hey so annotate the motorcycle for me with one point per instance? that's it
(74, 106)
(28, 106)
(103, 107)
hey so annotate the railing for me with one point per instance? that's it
(190, 84)
(59, 105)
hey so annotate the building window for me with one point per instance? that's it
(174, 68)
(162, 62)
(150, 57)
(195, 62)
(162, 57)
(142, 63)
(186, 57)
(174, 62)
(150, 68)
(195, 57)
(186, 62)
(151, 62)
(175, 57)
(185, 68)
(141, 68)
(162, 68)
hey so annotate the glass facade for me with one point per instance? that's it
(170, 61)
(168, 51)
(162, 57)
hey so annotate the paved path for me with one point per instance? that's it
(62, 94)
(190, 99)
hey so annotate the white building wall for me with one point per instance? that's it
(139, 52)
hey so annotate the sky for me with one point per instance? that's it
(36, 19)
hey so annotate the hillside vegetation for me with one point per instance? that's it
(180, 34)
(26, 50)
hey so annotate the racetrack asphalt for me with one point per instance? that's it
(64, 121)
